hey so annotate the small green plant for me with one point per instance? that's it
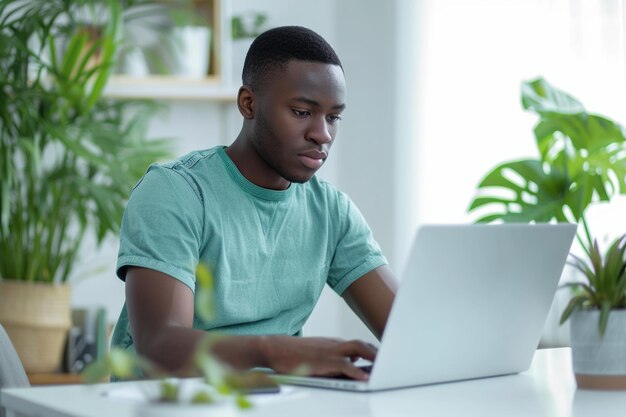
(582, 161)
(225, 382)
(605, 288)
(247, 25)
(150, 30)
(218, 378)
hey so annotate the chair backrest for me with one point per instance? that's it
(12, 374)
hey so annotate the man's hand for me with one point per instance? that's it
(322, 356)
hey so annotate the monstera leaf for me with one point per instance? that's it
(523, 192)
(582, 159)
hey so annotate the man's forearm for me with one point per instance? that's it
(173, 348)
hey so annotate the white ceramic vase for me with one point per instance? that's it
(599, 362)
(192, 51)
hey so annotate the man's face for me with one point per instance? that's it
(297, 113)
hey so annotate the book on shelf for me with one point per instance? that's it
(87, 338)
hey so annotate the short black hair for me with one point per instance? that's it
(272, 50)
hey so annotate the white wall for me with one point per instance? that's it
(474, 56)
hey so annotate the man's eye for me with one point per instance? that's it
(301, 113)
(334, 118)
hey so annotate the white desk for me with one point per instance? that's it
(547, 389)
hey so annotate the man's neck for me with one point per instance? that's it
(253, 167)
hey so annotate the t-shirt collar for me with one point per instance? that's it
(248, 186)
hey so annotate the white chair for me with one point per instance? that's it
(12, 374)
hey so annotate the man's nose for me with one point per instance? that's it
(320, 131)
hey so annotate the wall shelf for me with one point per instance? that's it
(54, 379)
(216, 86)
(171, 88)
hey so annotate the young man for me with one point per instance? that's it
(271, 231)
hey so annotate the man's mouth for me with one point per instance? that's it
(312, 159)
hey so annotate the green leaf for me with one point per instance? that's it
(574, 304)
(75, 47)
(109, 48)
(582, 267)
(582, 159)
(211, 369)
(204, 276)
(537, 196)
(96, 371)
(202, 397)
(205, 303)
(242, 402)
(122, 363)
(169, 392)
(605, 309)
(543, 98)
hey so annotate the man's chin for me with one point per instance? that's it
(300, 179)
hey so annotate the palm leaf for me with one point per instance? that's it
(574, 304)
(605, 310)
(94, 154)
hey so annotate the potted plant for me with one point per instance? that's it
(597, 312)
(582, 161)
(216, 389)
(68, 159)
(172, 37)
(244, 28)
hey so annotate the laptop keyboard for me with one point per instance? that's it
(366, 368)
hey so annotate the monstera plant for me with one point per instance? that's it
(581, 161)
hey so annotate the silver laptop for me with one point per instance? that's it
(471, 304)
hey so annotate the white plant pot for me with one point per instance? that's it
(599, 362)
(134, 63)
(192, 51)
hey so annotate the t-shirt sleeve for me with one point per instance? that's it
(162, 226)
(356, 253)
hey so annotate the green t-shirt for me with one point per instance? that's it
(271, 252)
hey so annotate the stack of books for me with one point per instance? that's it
(87, 339)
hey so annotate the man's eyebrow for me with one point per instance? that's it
(316, 104)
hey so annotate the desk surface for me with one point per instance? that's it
(547, 389)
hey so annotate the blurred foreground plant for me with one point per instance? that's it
(225, 382)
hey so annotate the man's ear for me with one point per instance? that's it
(246, 102)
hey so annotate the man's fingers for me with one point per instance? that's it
(357, 348)
(339, 367)
(354, 372)
(322, 356)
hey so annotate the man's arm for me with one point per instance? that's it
(161, 309)
(371, 297)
